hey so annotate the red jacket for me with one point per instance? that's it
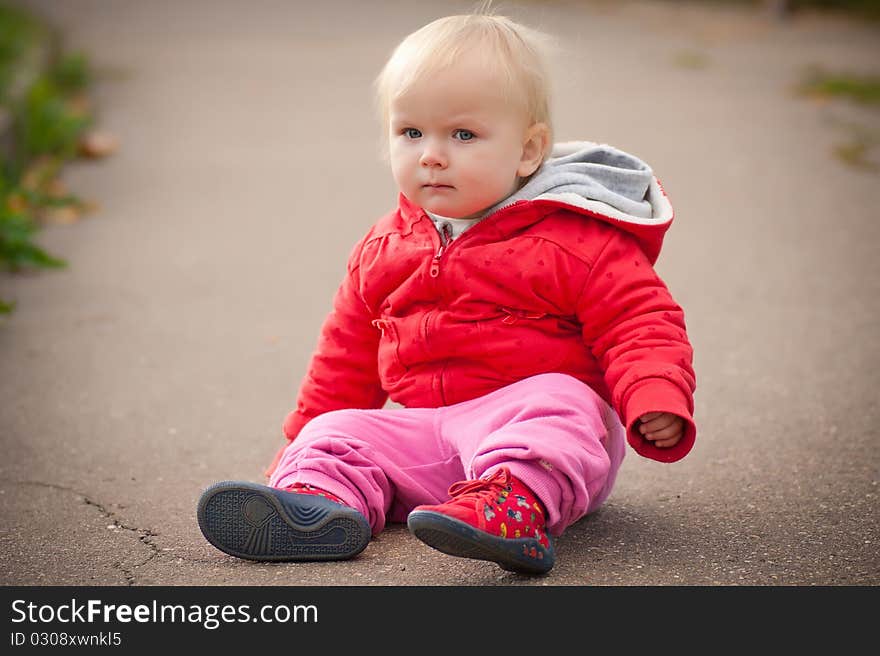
(540, 286)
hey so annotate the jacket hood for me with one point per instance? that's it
(605, 183)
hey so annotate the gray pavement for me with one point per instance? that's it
(166, 355)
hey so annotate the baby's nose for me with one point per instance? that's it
(433, 155)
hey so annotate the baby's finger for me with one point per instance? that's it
(665, 433)
(648, 416)
(672, 441)
(663, 421)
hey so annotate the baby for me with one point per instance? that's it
(509, 304)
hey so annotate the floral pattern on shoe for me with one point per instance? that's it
(499, 504)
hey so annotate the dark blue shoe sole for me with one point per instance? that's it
(256, 522)
(457, 538)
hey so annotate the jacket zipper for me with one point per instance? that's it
(446, 238)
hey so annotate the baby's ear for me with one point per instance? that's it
(535, 145)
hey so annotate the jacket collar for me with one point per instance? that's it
(522, 213)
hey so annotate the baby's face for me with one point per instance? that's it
(456, 143)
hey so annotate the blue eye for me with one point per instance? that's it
(412, 133)
(464, 135)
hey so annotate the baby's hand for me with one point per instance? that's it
(664, 429)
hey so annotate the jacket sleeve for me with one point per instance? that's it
(342, 372)
(637, 333)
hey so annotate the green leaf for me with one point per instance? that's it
(45, 125)
(17, 250)
(72, 73)
(862, 89)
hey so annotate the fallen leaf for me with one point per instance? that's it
(64, 215)
(98, 144)
(16, 203)
(39, 173)
(79, 105)
(56, 188)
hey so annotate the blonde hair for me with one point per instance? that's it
(515, 50)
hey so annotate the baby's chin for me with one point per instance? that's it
(456, 211)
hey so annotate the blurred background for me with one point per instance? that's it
(182, 183)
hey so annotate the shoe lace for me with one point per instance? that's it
(481, 488)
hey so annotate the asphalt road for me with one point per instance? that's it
(167, 354)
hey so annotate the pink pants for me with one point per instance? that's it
(554, 433)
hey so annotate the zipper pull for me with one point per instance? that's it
(435, 264)
(445, 237)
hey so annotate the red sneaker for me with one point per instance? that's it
(493, 518)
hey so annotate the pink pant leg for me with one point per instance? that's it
(553, 432)
(381, 462)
